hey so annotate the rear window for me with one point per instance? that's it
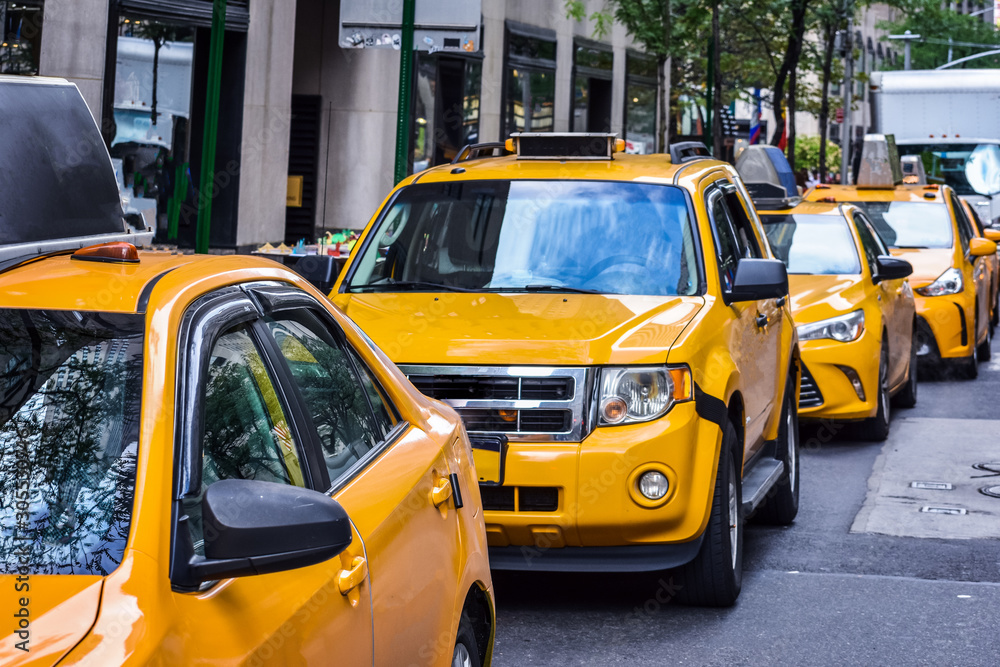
(70, 386)
(813, 244)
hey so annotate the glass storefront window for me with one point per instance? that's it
(446, 107)
(593, 65)
(531, 98)
(20, 36)
(152, 111)
(640, 104)
(523, 46)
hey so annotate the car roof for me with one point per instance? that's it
(624, 167)
(911, 193)
(61, 283)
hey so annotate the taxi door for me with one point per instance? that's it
(240, 419)
(979, 271)
(747, 337)
(394, 480)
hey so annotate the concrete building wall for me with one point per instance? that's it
(267, 113)
(359, 90)
(74, 37)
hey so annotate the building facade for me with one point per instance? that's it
(295, 102)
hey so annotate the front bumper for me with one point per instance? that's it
(824, 360)
(949, 320)
(598, 505)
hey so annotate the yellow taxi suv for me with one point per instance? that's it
(854, 311)
(621, 323)
(928, 227)
(204, 461)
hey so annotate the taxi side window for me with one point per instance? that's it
(727, 248)
(246, 433)
(742, 225)
(338, 398)
(868, 242)
(965, 232)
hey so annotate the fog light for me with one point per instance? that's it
(508, 415)
(852, 375)
(614, 410)
(653, 485)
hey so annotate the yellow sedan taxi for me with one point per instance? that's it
(621, 323)
(928, 227)
(204, 461)
(855, 314)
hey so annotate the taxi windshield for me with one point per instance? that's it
(971, 169)
(573, 236)
(813, 244)
(907, 224)
(69, 430)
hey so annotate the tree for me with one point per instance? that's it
(159, 34)
(810, 153)
(936, 23)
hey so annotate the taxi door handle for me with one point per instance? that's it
(762, 321)
(441, 492)
(351, 579)
(780, 303)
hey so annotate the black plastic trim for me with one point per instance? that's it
(456, 491)
(965, 328)
(709, 407)
(632, 558)
(143, 301)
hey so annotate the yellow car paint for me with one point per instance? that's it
(410, 567)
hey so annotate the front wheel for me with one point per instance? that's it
(907, 397)
(969, 367)
(782, 505)
(715, 576)
(877, 428)
(466, 652)
(985, 351)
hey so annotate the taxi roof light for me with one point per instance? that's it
(564, 145)
(880, 165)
(117, 253)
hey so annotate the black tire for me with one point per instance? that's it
(876, 429)
(985, 351)
(466, 652)
(715, 576)
(907, 396)
(782, 503)
(969, 367)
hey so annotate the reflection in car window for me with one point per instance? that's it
(904, 224)
(813, 244)
(70, 386)
(728, 250)
(246, 434)
(616, 238)
(334, 395)
(384, 417)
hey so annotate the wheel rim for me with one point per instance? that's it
(793, 448)
(883, 394)
(734, 517)
(461, 658)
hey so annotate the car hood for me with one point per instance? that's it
(815, 298)
(928, 263)
(61, 610)
(523, 329)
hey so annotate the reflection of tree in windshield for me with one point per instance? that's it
(69, 411)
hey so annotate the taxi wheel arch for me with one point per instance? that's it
(478, 610)
(735, 414)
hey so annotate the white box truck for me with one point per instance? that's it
(951, 119)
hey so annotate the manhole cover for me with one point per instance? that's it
(936, 486)
(931, 509)
(992, 468)
(991, 491)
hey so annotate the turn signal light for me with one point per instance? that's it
(508, 415)
(118, 253)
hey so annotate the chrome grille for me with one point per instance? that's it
(527, 403)
(809, 394)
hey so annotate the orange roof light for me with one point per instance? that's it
(118, 253)
(932, 186)
(822, 186)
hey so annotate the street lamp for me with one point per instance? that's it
(907, 37)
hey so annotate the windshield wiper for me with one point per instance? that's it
(548, 288)
(391, 285)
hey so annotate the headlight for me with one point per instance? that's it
(949, 282)
(844, 328)
(634, 394)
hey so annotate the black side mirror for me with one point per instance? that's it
(253, 527)
(758, 279)
(891, 268)
(320, 270)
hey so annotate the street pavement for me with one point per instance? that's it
(862, 577)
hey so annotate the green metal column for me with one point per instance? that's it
(707, 131)
(405, 86)
(205, 191)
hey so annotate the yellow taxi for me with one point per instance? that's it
(992, 264)
(204, 461)
(854, 311)
(928, 227)
(618, 320)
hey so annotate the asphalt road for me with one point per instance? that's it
(862, 577)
